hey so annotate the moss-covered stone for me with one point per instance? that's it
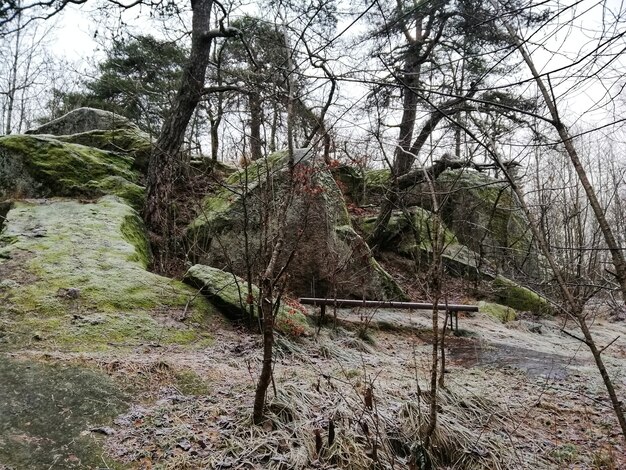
(410, 233)
(230, 294)
(373, 274)
(501, 313)
(377, 180)
(485, 216)
(83, 120)
(47, 412)
(78, 278)
(131, 141)
(520, 298)
(324, 263)
(38, 166)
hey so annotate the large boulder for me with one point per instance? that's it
(241, 220)
(42, 166)
(83, 120)
(102, 130)
(410, 233)
(73, 276)
(482, 212)
(485, 216)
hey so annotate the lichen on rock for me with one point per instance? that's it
(39, 166)
(84, 120)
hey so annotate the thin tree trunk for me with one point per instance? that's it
(617, 256)
(575, 307)
(404, 158)
(256, 143)
(12, 87)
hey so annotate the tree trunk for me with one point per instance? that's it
(256, 144)
(267, 311)
(13, 74)
(164, 167)
(404, 158)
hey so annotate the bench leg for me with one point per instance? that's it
(320, 322)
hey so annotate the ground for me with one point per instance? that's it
(513, 398)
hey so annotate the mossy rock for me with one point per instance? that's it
(231, 228)
(485, 216)
(132, 142)
(84, 120)
(47, 412)
(501, 313)
(482, 212)
(230, 294)
(39, 166)
(410, 233)
(75, 279)
(363, 186)
(373, 276)
(520, 298)
(405, 229)
(208, 165)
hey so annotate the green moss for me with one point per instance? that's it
(81, 330)
(101, 250)
(406, 229)
(126, 140)
(134, 232)
(116, 185)
(350, 179)
(520, 298)
(35, 166)
(499, 312)
(377, 179)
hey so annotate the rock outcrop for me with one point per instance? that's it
(74, 274)
(42, 166)
(238, 222)
(102, 130)
(482, 212)
(83, 120)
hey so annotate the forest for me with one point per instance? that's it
(195, 209)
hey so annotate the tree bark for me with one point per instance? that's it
(256, 144)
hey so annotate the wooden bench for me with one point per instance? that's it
(452, 309)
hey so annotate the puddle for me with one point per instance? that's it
(534, 363)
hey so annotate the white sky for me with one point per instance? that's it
(75, 42)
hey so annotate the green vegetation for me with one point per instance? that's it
(501, 313)
(38, 166)
(229, 293)
(520, 298)
(75, 273)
